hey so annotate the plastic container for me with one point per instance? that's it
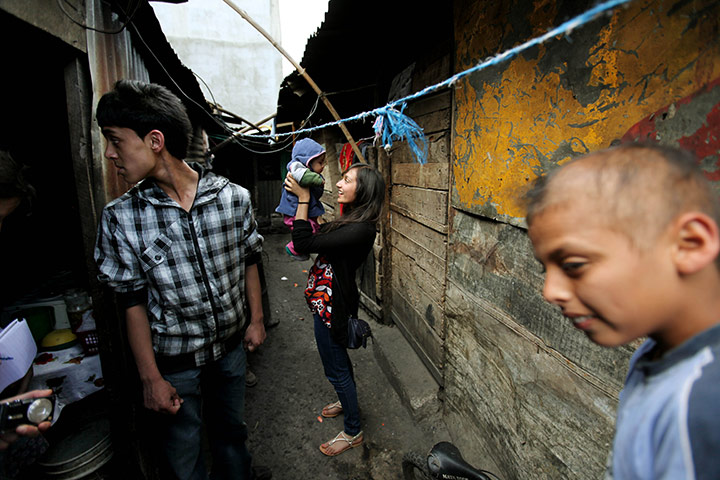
(58, 340)
(77, 303)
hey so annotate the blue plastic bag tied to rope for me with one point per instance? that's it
(393, 125)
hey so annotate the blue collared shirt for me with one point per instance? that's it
(668, 425)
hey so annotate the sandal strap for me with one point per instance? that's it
(343, 436)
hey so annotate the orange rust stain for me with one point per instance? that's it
(509, 128)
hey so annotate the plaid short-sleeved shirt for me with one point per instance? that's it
(192, 264)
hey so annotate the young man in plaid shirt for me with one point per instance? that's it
(180, 249)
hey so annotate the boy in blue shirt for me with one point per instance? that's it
(629, 240)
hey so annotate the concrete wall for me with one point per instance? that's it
(522, 386)
(242, 68)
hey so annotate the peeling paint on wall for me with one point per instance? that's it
(692, 123)
(578, 93)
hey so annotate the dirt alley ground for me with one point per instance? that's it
(283, 409)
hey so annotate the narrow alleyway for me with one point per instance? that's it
(283, 409)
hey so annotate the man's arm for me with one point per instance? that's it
(255, 333)
(158, 393)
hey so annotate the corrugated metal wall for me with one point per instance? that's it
(111, 57)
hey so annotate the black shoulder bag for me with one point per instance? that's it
(358, 332)
(358, 329)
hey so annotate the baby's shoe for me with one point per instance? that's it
(296, 256)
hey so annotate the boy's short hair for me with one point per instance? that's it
(144, 107)
(640, 188)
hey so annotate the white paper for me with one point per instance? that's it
(17, 351)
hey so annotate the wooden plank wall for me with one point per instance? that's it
(419, 224)
(522, 387)
(332, 143)
(369, 275)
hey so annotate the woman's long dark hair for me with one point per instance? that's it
(369, 198)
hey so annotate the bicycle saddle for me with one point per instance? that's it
(445, 461)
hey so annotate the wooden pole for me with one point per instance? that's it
(240, 132)
(241, 119)
(302, 72)
(266, 119)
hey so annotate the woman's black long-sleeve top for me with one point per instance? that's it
(345, 248)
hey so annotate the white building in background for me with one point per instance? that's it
(241, 68)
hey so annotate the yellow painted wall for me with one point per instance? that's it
(566, 97)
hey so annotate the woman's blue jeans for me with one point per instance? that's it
(218, 390)
(339, 371)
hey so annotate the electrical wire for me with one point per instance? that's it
(246, 142)
(206, 86)
(306, 123)
(86, 27)
(312, 112)
(265, 152)
(257, 139)
(216, 120)
(223, 125)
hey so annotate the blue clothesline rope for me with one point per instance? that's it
(393, 124)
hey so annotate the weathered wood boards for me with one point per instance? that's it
(419, 226)
(521, 402)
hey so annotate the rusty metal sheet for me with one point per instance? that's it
(111, 57)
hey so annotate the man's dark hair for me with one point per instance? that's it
(144, 107)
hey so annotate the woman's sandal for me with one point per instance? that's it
(332, 410)
(352, 442)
